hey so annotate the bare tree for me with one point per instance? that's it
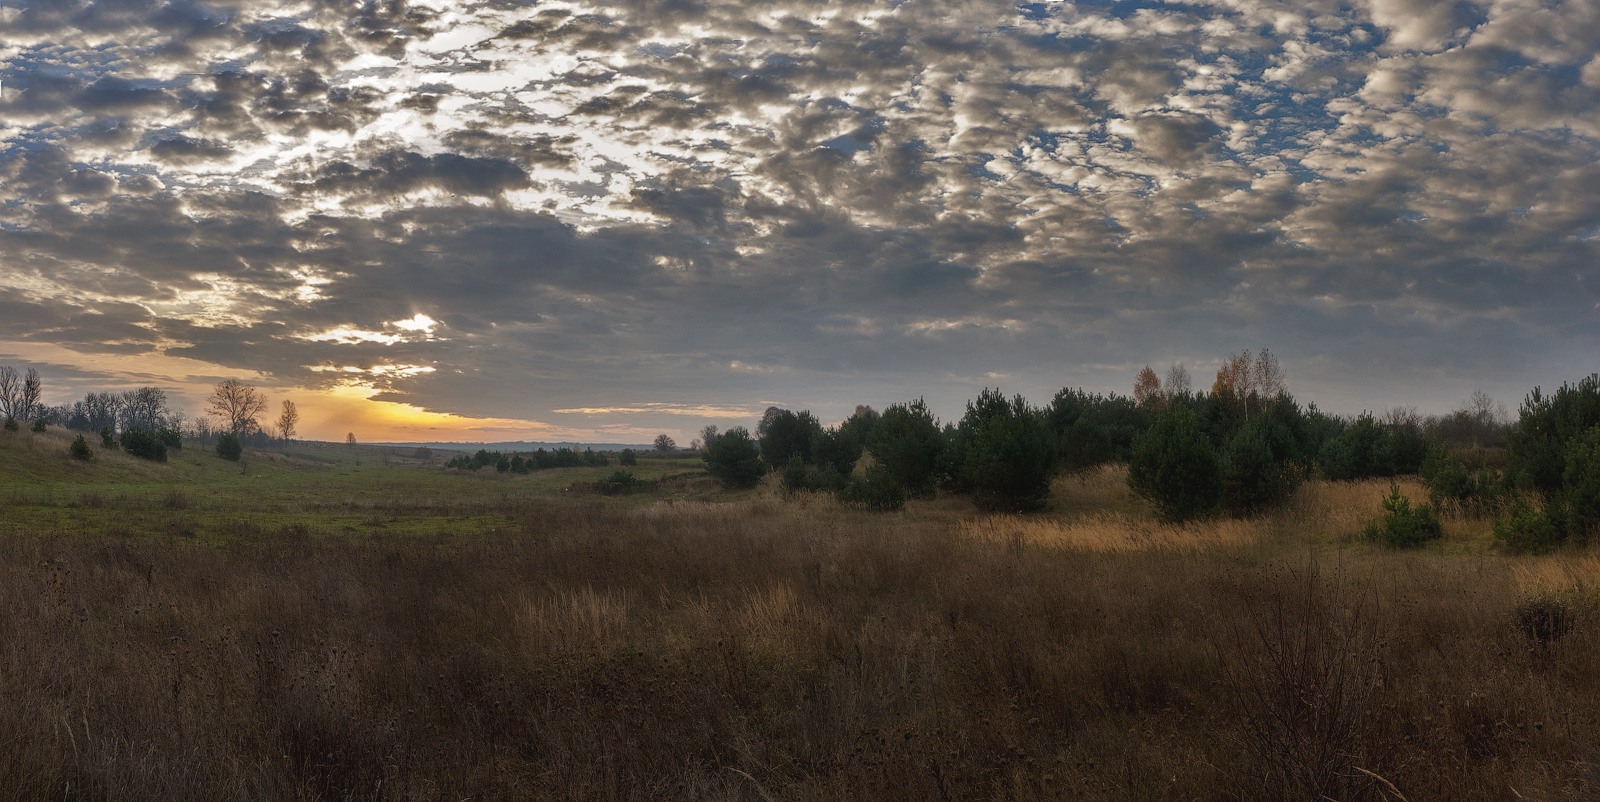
(10, 391)
(144, 409)
(1266, 375)
(288, 420)
(32, 389)
(237, 405)
(665, 442)
(1233, 378)
(1178, 382)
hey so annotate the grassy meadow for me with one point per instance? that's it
(332, 623)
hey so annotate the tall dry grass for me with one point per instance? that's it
(771, 651)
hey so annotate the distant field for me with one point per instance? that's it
(321, 625)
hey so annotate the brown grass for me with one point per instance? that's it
(764, 650)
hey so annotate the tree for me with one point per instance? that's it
(1258, 467)
(1175, 467)
(1364, 449)
(1178, 382)
(629, 457)
(32, 389)
(1009, 456)
(734, 460)
(144, 409)
(1147, 389)
(907, 442)
(229, 448)
(10, 392)
(350, 440)
(665, 443)
(237, 405)
(789, 434)
(80, 449)
(288, 420)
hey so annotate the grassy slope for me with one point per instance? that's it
(312, 487)
(668, 648)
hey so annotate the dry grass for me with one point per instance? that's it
(795, 651)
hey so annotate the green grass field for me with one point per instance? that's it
(339, 623)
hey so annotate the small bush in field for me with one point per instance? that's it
(144, 444)
(876, 490)
(39, 426)
(1527, 529)
(108, 438)
(1405, 526)
(1544, 620)
(11, 424)
(228, 447)
(80, 449)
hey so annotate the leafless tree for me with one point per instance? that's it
(1178, 382)
(288, 420)
(32, 389)
(237, 405)
(144, 409)
(10, 391)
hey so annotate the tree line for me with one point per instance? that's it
(144, 422)
(1241, 447)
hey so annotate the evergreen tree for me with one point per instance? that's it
(733, 459)
(907, 442)
(1176, 468)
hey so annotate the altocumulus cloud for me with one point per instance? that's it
(639, 211)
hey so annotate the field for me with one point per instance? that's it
(333, 623)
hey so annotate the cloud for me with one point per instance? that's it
(714, 206)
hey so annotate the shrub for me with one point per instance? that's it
(11, 424)
(1404, 526)
(1580, 483)
(171, 438)
(733, 459)
(1175, 468)
(907, 442)
(794, 475)
(1544, 620)
(108, 439)
(789, 434)
(144, 444)
(1526, 529)
(629, 457)
(80, 449)
(1451, 485)
(228, 447)
(876, 489)
(1255, 475)
(39, 426)
(621, 483)
(1008, 457)
(1364, 449)
(1546, 425)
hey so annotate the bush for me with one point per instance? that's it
(1526, 529)
(1364, 449)
(876, 490)
(1580, 483)
(629, 458)
(171, 438)
(108, 438)
(1175, 468)
(80, 449)
(144, 444)
(1404, 526)
(733, 459)
(11, 425)
(1009, 455)
(907, 442)
(1544, 620)
(1451, 485)
(788, 434)
(1546, 425)
(1255, 475)
(621, 483)
(228, 447)
(39, 426)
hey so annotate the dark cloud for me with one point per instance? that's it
(818, 204)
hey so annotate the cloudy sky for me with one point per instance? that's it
(501, 220)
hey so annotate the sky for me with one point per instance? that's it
(569, 220)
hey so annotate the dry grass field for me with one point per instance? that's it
(750, 648)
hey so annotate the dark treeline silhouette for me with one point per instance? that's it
(536, 460)
(1242, 447)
